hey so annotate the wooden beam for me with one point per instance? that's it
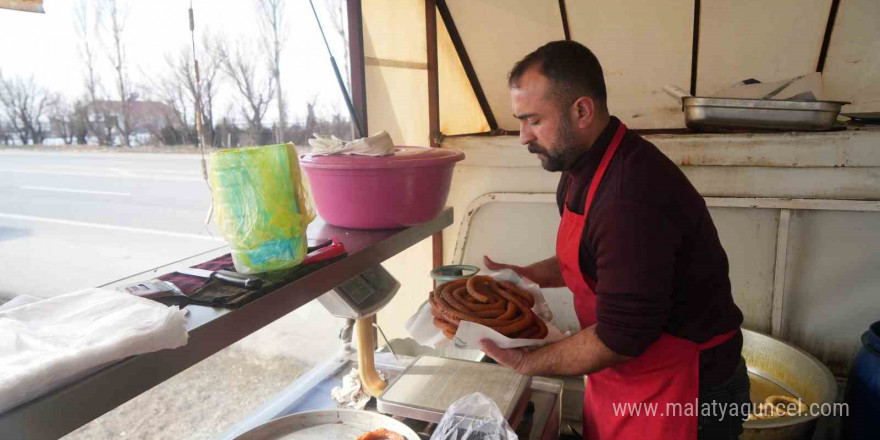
(433, 107)
(829, 28)
(433, 72)
(695, 48)
(564, 12)
(443, 9)
(356, 54)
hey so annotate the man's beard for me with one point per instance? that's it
(565, 152)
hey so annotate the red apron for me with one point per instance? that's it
(666, 372)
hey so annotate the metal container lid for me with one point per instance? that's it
(403, 157)
(453, 272)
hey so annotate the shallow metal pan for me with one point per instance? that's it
(707, 113)
(342, 424)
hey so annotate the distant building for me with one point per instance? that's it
(146, 117)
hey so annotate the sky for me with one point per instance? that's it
(45, 46)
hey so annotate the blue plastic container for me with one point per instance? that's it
(863, 389)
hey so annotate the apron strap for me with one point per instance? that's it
(717, 340)
(603, 165)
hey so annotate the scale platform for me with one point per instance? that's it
(428, 386)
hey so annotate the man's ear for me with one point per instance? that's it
(584, 110)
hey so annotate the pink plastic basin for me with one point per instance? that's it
(404, 189)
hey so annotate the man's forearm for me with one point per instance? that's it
(546, 273)
(582, 353)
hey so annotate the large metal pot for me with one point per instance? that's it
(792, 369)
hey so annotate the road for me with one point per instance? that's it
(76, 220)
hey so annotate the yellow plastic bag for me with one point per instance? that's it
(262, 206)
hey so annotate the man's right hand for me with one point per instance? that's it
(546, 272)
(491, 265)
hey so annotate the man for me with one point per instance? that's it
(639, 251)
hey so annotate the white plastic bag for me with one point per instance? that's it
(473, 417)
(48, 343)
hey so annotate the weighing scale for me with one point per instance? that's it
(360, 298)
(427, 387)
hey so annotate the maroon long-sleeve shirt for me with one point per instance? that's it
(654, 252)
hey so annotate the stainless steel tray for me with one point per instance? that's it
(706, 113)
(343, 424)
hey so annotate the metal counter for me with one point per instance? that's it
(210, 330)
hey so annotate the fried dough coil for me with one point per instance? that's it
(498, 305)
(785, 405)
(381, 434)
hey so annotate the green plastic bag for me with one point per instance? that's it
(262, 206)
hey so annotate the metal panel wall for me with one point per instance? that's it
(767, 40)
(854, 56)
(497, 34)
(831, 284)
(642, 45)
(749, 238)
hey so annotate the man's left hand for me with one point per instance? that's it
(513, 358)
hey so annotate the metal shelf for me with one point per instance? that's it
(210, 330)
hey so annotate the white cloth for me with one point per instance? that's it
(379, 144)
(52, 342)
(352, 394)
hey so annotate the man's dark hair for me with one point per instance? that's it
(572, 69)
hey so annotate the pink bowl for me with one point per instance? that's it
(360, 192)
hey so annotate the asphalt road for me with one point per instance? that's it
(77, 220)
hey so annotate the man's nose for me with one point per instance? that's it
(525, 134)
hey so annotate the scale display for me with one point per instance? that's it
(357, 289)
(363, 295)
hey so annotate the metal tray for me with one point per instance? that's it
(342, 424)
(707, 113)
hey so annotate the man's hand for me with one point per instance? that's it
(491, 265)
(546, 272)
(582, 353)
(514, 358)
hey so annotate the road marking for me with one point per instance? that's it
(109, 227)
(134, 176)
(122, 172)
(79, 191)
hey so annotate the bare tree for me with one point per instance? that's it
(273, 27)
(82, 124)
(87, 17)
(210, 64)
(63, 119)
(115, 27)
(5, 133)
(172, 91)
(255, 91)
(24, 103)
